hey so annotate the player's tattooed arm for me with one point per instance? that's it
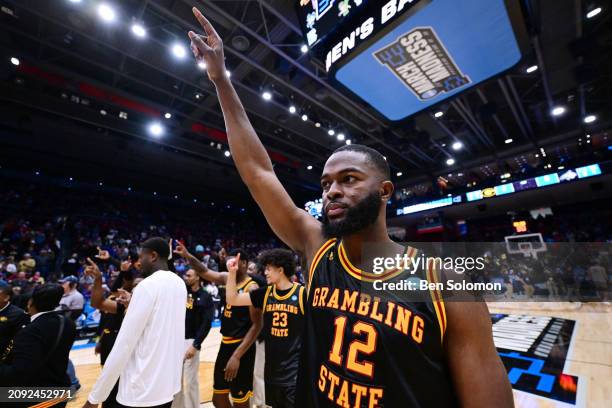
(232, 297)
(293, 225)
(202, 270)
(478, 374)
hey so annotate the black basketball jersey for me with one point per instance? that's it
(283, 320)
(236, 320)
(361, 350)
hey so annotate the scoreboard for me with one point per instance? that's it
(403, 56)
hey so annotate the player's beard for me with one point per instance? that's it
(356, 218)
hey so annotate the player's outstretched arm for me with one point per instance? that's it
(202, 270)
(293, 225)
(97, 292)
(478, 374)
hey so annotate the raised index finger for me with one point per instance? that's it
(210, 30)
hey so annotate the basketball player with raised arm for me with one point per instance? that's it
(240, 326)
(282, 304)
(360, 351)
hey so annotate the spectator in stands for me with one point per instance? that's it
(40, 352)
(72, 299)
(509, 293)
(20, 300)
(579, 273)
(71, 265)
(21, 281)
(213, 291)
(599, 277)
(528, 287)
(199, 252)
(10, 266)
(565, 280)
(36, 279)
(44, 261)
(27, 264)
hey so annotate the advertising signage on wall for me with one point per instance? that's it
(507, 188)
(536, 182)
(428, 205)
(315, 207)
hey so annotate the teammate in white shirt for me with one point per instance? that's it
(148, 354)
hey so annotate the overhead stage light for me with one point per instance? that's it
(139, 31)
(304, 117)
(156, 129)
(179, 51)
(15, 61)
(590, 119)
(457, 145)
(531, 69)
(438, 114)
(266, 95)
(593, 12)
(292, 109)
(106, 13)
(450, 161)
(558, 111)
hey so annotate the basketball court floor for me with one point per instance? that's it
(570, 345)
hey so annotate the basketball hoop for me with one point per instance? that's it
(527, 244)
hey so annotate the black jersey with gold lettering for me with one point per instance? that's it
(236, 320)
(283, 322)
(362, 350)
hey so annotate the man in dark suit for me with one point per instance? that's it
(40, 351)
(12, 319)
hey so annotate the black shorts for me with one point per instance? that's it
(241, 387)
(280, 396)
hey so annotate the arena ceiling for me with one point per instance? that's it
(86, 91)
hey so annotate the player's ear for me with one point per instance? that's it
(386, 190)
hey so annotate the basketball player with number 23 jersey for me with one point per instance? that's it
(282, 303)
(358, 350)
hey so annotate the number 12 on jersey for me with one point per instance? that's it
(366, 347)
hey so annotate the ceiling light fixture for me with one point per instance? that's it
(138, 30)
(106, 12)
